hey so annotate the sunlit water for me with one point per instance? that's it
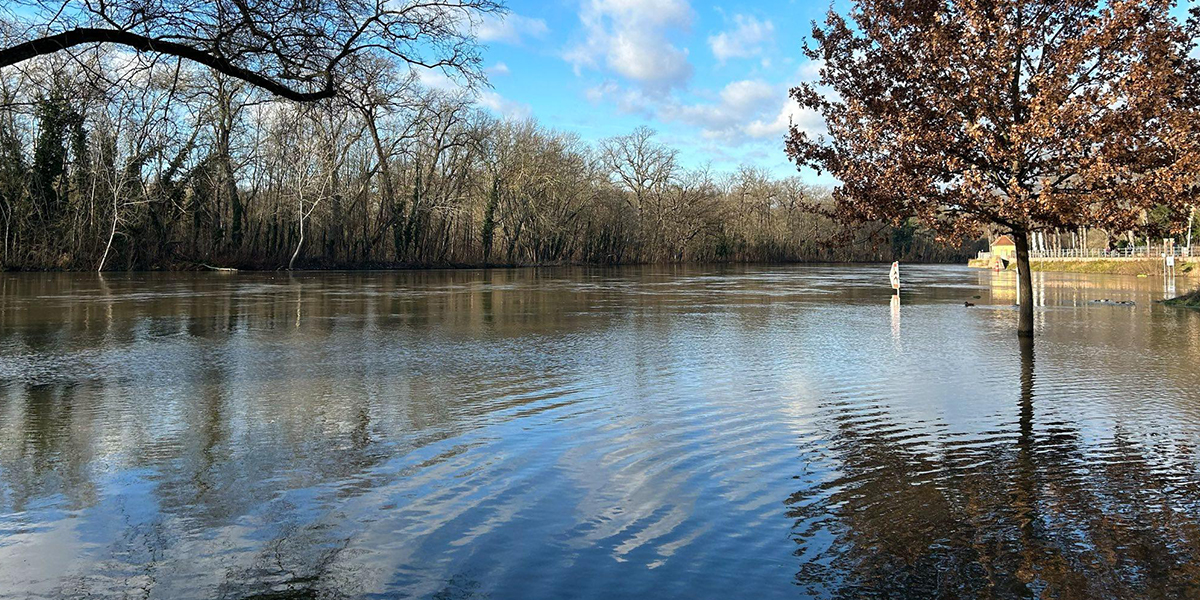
(741, 432)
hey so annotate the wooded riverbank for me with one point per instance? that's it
(96, 176)
(184, 267)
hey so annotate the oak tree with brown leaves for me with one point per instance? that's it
(1006, 114)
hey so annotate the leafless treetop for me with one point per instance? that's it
(297, 49)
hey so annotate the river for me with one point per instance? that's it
(665, 432)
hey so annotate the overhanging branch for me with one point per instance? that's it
(89, 35)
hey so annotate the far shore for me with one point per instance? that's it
(1135, 267)
(384, 266)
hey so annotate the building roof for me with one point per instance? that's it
(1003, 240)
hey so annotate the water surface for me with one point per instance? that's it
(691, 432)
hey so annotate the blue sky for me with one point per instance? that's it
(710, 77)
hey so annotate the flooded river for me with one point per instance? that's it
(652, 432)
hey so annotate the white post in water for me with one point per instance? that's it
(895, 317)
(895, 276)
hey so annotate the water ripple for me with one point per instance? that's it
(688, 432)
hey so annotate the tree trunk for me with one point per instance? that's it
(300, 243)
(388, 202)
(111, 234)
(1025, 323)
(1191, 218)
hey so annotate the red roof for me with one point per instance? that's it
(1003, 240)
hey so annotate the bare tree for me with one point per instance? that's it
(297, 49)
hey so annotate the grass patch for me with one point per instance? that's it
(1189, 300)
(1110, 267)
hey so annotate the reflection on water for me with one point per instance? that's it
(896, 316)
(674, 432)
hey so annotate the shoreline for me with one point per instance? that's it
(380, 267)
(1189, 300)
(1187, 268)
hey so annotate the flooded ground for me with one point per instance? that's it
(690, 432)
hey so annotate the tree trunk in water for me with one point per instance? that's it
(299, 243)
(1025, 323)
(1025, 492)
(111, 234)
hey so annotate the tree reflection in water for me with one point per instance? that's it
(1037, 514)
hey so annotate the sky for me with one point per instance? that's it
(710, 76)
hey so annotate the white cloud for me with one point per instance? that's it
(807, 120)
(746, 96)
(626, 100)
(489, 99)
(728, 119)
(435, 79)
(749, 38)
(132, 67)
(736, 114)
(810, 70)
(647, 72)
(499, 69)
(631, 38)
(510, 28)
(503, 106)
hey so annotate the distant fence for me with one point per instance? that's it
(1141, 252)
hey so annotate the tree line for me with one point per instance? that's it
(113, 160)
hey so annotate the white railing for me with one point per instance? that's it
(1126, 252)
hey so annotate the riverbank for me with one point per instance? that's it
(1190, 300)
(318, 266)
(265, 267)
(1147, 267)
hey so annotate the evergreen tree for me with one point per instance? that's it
(54, 117)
